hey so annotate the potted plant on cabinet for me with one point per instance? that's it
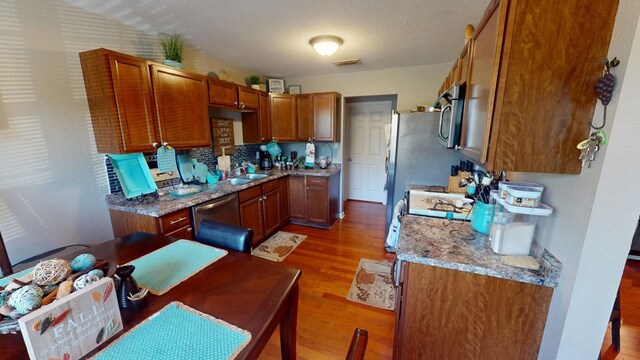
(255, 82)
(172, 46)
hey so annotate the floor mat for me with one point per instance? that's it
(278, 246)
(373, 285)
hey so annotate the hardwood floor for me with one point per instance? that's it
(630, 310)
(328, 260)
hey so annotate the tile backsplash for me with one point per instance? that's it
(204, 155)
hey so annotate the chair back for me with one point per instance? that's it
(358, 345)
(227, 236)
(5, 263)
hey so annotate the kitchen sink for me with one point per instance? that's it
(239, 181)
(256, 176)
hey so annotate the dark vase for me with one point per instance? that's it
(127, 287)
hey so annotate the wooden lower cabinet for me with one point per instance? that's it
(284, 200)
(260, 209)
(177, 224)
(450, 314)
(314, 200)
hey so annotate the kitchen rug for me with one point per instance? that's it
(278, 246)
(373, 285)
(178, 332)
(161, 270)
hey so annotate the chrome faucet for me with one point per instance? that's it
(237, 170)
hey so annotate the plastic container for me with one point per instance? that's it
(482, 217)
(513, 227)
(503, 185)
(524, 196)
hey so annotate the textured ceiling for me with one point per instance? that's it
(271, 37)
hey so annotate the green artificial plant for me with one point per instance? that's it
(172, 46)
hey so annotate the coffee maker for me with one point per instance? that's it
(266, 163)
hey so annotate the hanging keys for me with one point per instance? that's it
(590, 147)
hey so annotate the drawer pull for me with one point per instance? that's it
(177, 220)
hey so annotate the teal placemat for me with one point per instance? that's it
(168, 266)
(5, 280)
(178, 332)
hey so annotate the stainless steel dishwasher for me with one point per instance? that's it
(224, 209)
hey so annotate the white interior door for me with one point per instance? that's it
(367, 149)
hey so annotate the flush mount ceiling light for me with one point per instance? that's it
(325, 45)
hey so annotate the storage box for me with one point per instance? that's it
(513, 227)
(503, 185)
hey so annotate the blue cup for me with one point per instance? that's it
(482, 217)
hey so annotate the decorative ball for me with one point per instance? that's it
(51, 271)
(84, 280)
(66, 287)
(97, 272)
(83, 262)
(26, 298)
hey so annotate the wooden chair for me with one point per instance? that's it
(615, 320)
(225, 236)
(5, 264)
(358, 345)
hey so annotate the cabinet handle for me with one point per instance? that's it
(235, 103)
(309, 138)
(307, 188)
(189, 229)
(241, 105)
(457, 147)
(177, 220)
(261, 139)
(165, 144)
(155, 144)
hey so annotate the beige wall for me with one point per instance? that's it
(53, 183)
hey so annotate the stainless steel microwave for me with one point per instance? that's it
(452, 105)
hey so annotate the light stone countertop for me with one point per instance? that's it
(453, 244)
(167, 203)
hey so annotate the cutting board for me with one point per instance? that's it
(224, 161)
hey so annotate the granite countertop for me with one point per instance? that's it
(453, 244)
(166, 203)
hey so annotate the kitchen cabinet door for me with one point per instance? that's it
(255, 125)
(223, 93)
(284, 200)
(118, 88)
(271, 212)
(481, 87)
(326, 116)
(251, 216)
(305, 117)
(297, 197)
(247, 98)
(317, 199)
(182, 107)
(283, 117)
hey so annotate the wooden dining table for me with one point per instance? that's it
(251, 293)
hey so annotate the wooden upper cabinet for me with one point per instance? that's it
(528, 103)
(181, 103)
(256, 127)
(326, 116)
(247, 98)
(229, 95)
(118, 88)
(283, 117)
(463, 63)
(305, 117)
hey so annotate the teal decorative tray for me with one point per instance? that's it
(134, 174)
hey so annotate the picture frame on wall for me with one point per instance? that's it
(295, 89)
(276, 86)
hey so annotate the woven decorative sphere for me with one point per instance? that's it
(83, 262)
(26, 298)
(51, 271)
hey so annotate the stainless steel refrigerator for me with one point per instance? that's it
(416, 156)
